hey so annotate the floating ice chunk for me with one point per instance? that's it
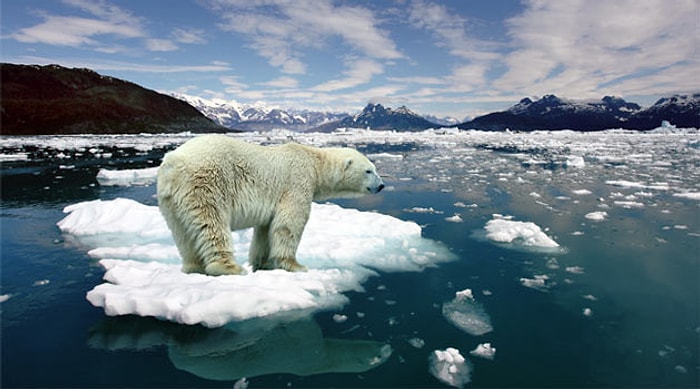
(454, 218)
(450, 367)
(575, 269)
(484, 350)
(688, 195)
(467, 314)
(539, 282)
(340, 318)
(581, 192)
(5, 297)
(384, 156)
(340, 247)
(422, 210)
(629, 204)
(127, 177)
(575, 161)
(14, 157)
(518, 233)
(638, 185)
(587, 312)
(416, 342)
(596, 216)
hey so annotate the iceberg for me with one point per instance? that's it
(484, 350)
(523, 234)
(450, 367)
(341, 247)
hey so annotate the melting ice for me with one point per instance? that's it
(341, 247)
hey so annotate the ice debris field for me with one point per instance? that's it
(590, 179)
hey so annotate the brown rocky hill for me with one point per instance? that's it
(51, 99)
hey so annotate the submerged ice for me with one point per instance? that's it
(465, 313)
(341, 247)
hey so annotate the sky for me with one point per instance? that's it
(460, 58)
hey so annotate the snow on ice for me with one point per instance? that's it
(341, 247)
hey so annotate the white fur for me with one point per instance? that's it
(213, 184)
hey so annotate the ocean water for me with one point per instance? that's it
(617, 303)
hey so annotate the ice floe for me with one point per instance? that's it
(596, 216)
(341, 247)
(127, 177)
(517, 233)
(465, 313)
(450, 367)
(484, 350)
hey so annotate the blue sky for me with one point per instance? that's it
(458, 58)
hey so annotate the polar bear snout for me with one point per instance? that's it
(376, 189)
(376, 184)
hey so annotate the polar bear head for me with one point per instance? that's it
(353, 175)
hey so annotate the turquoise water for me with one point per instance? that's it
(620, 305)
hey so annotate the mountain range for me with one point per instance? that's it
(547, 113)
(56, 100)
(553, 113)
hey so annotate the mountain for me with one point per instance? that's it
(554, 113)
(257, 117)
(377, 117)
(56, 100)
(679, 110)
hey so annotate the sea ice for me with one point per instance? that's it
(688, 195)
(127, 177)
(340, 246)
(467, 314)
(450, 367)
(484, 350)
(526, 234)
(596, 216)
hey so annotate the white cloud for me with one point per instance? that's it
(281, 31)
(282, 82)
(160, 45)
(73, 31)
(189, 35)
(359, 72)
(77, 31)
(583, 48)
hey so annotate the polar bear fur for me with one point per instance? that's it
(213, 184)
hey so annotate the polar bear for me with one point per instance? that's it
(213, 184)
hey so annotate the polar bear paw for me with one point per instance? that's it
(291, 265)
(220, 268)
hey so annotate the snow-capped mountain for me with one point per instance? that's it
(258, 117)
(554, 113)
(378, 117)
(678, 110)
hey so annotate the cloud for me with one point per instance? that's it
(160, 45)
(78, 31)
(359, 72)
(622, 47)
(189, 35)
(281, 31)
(101, 65)
(282, 82)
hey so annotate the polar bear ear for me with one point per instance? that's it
(347, 163)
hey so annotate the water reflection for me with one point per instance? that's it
(249, 349)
